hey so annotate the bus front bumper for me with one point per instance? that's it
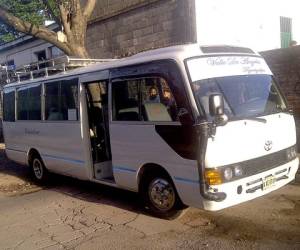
(253, 186)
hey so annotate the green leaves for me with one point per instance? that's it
(33, 11)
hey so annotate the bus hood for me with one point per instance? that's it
(243, 140)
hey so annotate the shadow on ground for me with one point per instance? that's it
(11, 168)
(83, 190)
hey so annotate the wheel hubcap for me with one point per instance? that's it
(38, 169)
(161, 194)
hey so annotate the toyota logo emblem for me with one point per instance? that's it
(268, 145)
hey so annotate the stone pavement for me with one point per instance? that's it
(68, 218)
(71, 214)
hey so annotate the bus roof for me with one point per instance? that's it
(178, 52)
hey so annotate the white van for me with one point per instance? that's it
(206, 127)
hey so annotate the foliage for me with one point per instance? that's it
(33, 11)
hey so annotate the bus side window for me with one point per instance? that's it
(61, 100)
(9, 105)
(29, 103)
(158, 103)
(126, 101)
(143, 99)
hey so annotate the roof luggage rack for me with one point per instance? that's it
(45, 68)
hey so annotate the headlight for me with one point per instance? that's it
(228, 173)
(294, 152)
(238, 171)
(291, 153)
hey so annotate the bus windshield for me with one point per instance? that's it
(244, 95)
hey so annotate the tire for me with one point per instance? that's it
(38, 170)
(160, 196)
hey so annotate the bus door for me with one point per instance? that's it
(97, 112)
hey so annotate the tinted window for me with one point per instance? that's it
(126, 101)
(34, 103)
(145, 99)
(29, 103)
(9, 105)
(61, 100)
(22, 104)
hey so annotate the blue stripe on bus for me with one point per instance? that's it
(186, 180)
(50, 156)
(62, 158)
(118, 168)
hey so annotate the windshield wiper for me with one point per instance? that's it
(263, 120)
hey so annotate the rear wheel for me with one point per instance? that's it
(39, 172)
(160, 196)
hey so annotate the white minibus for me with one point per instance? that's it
(189, 125)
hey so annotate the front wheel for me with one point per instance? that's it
(161, 198)
(38, 169)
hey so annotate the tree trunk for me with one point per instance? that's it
(78, 50)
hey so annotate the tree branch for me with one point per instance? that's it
(64, 18)
(89, 8)
(31, 29)
(52, 12)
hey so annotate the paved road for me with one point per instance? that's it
(70, 214)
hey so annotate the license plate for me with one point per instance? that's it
(269, 182)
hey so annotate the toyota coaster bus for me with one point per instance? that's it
(190, 125)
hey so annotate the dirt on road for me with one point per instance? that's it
(14, 178)
(71, 214)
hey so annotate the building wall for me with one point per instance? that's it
(24, 54)
(124, 27)
(23, 49)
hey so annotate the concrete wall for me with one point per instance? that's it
(122, 27)
(285, 64)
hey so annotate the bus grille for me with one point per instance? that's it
(264, 163)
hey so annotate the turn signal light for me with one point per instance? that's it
(213, 177)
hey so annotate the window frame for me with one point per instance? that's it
(174, 72)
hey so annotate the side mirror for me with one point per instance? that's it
(216, 109)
